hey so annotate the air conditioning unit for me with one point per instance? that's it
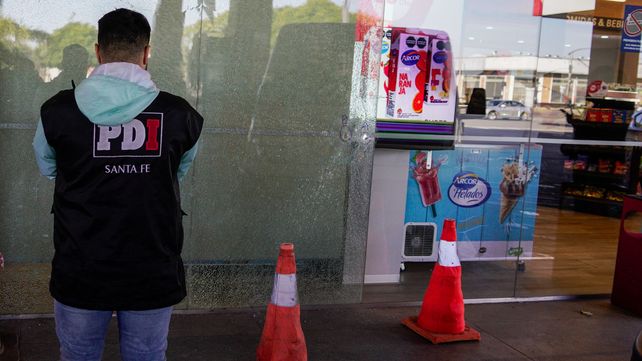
(420, 243)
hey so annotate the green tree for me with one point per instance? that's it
(313, 11)
(213, 27)
(50, 53)
(16, 36)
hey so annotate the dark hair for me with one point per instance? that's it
(123, 34)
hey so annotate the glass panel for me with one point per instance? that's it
(500, 46)
(590, 157)
(495, 46)
(285, 155)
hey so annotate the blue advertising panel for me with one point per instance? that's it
(631, 29)
(490, 191)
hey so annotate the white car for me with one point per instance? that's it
(507, 109)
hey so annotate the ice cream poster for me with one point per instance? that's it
(491, 192)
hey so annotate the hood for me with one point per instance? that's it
(114, 93)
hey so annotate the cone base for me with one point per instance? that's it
(469, 334)
(282, 338)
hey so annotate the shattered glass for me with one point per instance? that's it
(288, 97)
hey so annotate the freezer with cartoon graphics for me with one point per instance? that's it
(490, 190)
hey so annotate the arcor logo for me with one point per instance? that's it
(469, 190)
(141, 137)
(410, 57)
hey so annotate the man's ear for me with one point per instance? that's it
(97, 49)
(146, 54)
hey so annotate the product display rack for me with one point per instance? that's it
(597, 177)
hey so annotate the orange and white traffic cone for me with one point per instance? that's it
(282, 338)
(441, 318)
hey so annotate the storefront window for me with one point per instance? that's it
(285, 154)
(523, 131)
(557, 153)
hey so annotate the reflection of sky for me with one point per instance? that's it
(502, 27)
(49, 15)
(507, 27)
(561, 37)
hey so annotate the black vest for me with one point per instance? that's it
(118, 234)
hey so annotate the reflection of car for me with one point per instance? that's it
(507, 109)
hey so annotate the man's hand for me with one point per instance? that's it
(1, 261)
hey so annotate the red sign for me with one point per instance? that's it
(537, 7)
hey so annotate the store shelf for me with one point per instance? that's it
(583, 182)
(598, 131)
(594, 200)
(599, 206)
(596, 150)
(615, 100)
(583, 176)
(594, 194)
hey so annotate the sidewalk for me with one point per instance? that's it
(512, 331)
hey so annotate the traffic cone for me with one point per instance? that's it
(282, 338)
(441, 318)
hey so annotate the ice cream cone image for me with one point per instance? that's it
(506, 206)
(513, 186)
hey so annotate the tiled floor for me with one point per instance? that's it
(582, 248)
(580, 253)
(517, 331)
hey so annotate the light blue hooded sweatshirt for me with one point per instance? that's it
(113, 94)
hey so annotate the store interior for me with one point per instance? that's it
(590, 154)
(575, 256)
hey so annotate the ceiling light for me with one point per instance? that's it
(489, 28)
(471, 38)
(604, 37)
(567, 45)
(520, 41)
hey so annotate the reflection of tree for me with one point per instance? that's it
(24, 50)
(20, 38)
(228, 58)
(165, 64)
(18, 79)
(50, 53)
(249, 33)
(313, 11)
(234, 52)
(13, 33)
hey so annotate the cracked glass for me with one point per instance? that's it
(287, 90)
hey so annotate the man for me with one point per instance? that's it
(117, 147)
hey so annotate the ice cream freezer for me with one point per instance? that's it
(491, 191)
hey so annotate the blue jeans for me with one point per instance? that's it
(81, 333)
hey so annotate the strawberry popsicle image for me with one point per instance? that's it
(428, 181)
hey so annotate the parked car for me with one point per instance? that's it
(507, 109)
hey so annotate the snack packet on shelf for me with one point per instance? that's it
(594, 192)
